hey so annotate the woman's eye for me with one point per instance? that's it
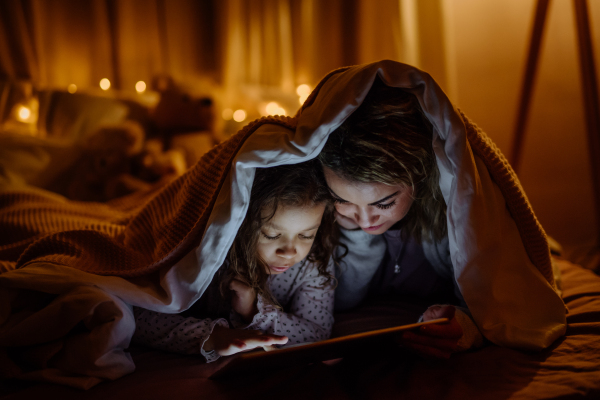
(339, 201)
(386, 206)
(270, 237)
(307, 237)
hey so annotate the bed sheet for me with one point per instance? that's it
(569, 369)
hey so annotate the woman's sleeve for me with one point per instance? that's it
(311, 311)
(357, 268)
(173, 332)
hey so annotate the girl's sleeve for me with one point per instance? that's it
(310, 316)
(175, 333)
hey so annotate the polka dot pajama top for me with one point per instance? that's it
(307, 315)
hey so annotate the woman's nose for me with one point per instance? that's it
(364, 218)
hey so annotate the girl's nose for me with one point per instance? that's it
(288, 251)
(364, 218)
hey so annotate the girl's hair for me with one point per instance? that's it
(299, 185)
(388, 140)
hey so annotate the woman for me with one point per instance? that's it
(423, 217)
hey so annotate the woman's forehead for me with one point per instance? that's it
(358, 192)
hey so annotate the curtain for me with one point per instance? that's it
(246, 50)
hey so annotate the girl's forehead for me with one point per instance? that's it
(296, 218)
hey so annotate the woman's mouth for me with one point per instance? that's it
(372, 228)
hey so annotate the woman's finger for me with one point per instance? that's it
(450, 330)
(443, 344)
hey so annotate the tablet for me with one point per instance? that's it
(306, 353)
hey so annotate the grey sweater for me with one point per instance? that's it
(365, 255)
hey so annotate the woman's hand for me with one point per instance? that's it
(346, 222)
(436, 340)
(243, 299)
(227, 341)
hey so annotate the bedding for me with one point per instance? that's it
(570, 369)
(67, 290)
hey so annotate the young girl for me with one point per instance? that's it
(281, 256)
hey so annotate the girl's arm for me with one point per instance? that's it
(310, 316)
(173, 332)
(188, 335)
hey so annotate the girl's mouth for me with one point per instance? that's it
(279, 269)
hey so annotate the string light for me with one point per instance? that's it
(272, 108)
(239, 115)
(227, 114)
(104, 84)
(23, 113)
(303, 91)
(72, 88)
(140, 87)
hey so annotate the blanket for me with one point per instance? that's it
(73, 270)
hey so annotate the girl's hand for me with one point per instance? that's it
(227, 341)
(436, 340)
(243, 299)
(345, 222)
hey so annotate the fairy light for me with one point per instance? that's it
(303, 92)
(23, 113)
(272, 108)
(104, 84)
(239, 115)
(281, 111)
(227, 114)
(140, 86)
(72, 88)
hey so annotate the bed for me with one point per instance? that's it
(570, 369)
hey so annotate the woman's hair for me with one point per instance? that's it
(299, 185)
(388, 140)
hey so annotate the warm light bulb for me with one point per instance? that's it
(227, 114)
(72, 88)
(140, 86)
(239, 115)
(104, 84)
(281, 111)
(272, 108)
(23, 113)
(303, 90)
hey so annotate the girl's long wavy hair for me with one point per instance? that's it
(388, 140)
(299, 185)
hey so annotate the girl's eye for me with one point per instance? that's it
(270, 237)
(339, 201)
(386, 206)
(307, 237)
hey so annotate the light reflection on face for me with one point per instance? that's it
(375, 207)
(287, 238)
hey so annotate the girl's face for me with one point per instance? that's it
(287, 238)
(375, 207)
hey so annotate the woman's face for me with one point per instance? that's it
(374, 207)
(287, 238)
